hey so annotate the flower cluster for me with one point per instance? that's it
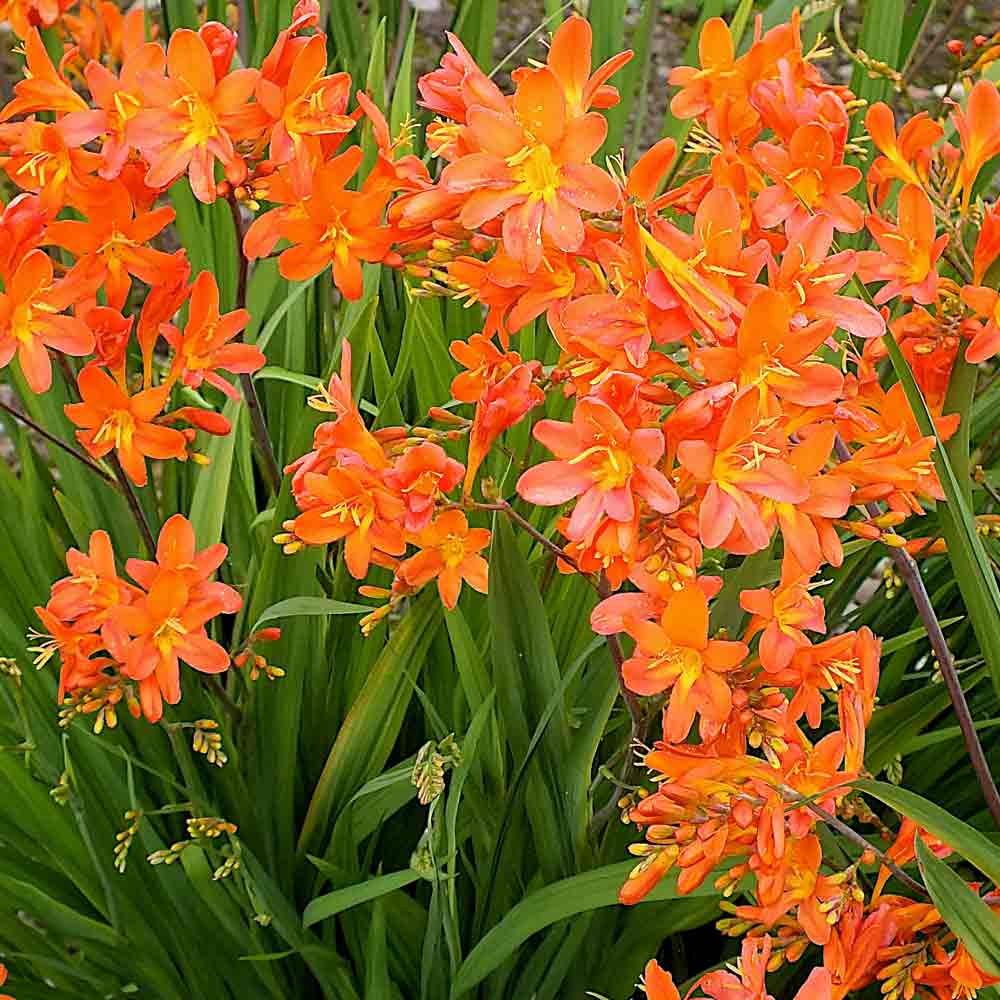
(113, 635)
(718, 359)
(378, 493)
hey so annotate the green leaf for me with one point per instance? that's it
(977, 849)
(55, 915)
(294, 607)
(332, 903)
(402, 107)
(893, 724)
(211, 491)
(371, 728)
(898, 642)
(274, 321)
(565, 898)
(313, 382)
(881, 33)
(972, 921)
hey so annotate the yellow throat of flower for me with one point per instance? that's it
(537, 174)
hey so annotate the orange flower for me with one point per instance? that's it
(204, 346)
(602, 461)
(704, 89)
(796, 883)
(909, 251)
(532, 166)
(774, 357)
(512, 295)
(91, 592)
(111, 245)
(30, 320)
(79, 666)
(809, 278)
(421, 475)
(21, 225)
(485, 365)
(456, 84)
(449, 552)
(987, 243)
(806, 526)
(47, 159)
(111, 419)
(906, 157)
(304, 107)
(679, 287)
(333, 226)
(677, 654)
(118, 100)
(979, 130)
(808, 178)
(782, 615)
(747, 982)
(24, 15)
(857, 941)
(743, 468)
(185, 125)
(569, 58)
(985, 302)
(42, 89)
(658, 983)
(167, 624)
(502, 404)
(354, 505)
(101, 29)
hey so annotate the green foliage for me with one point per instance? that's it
(343, 886)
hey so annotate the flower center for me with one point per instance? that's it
(807, 184)
(453, 550)
(22, 325)
(679, 661)
(118, 426)
(201, 124)
(537, 175)
(360, 510)
(126, 107)
(167, 634)
(339, 240)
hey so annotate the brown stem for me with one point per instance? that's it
(907, 568)
(133, 505)
(258, 425)
(561, 556)
(58, 442)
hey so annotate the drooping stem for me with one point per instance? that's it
(526, 525)
(907, 568)
(133, 505)
(835, 823)
(58, 442)
(258, 426)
